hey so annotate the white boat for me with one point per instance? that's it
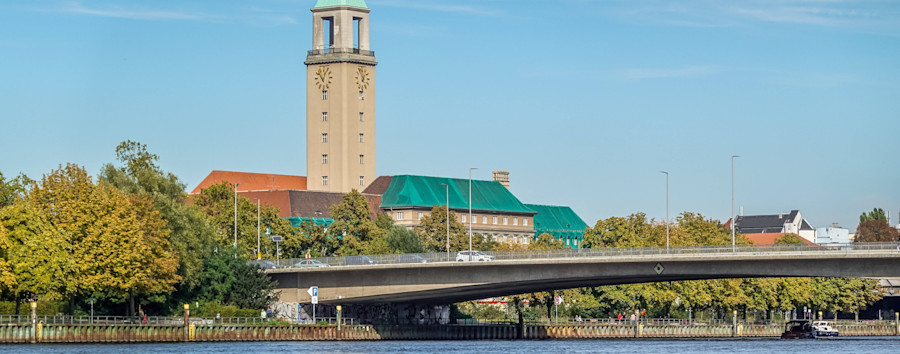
(823, 329)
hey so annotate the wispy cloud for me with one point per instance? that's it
(867, 15)
(252, 16)
(456, 7)
(135, 13)
(685, 72)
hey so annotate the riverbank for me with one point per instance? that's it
(158, 333)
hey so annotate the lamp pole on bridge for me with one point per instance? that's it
(470, 211)
(448, 220)
(235, 214)
(733, 249)
(667, 210)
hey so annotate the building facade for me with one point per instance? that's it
(340, 98)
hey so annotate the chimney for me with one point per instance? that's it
(835, 225)
(502, 177)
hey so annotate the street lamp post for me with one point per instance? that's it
(470, 211)
(235, 214)
(667, 210)
(258, 251)
(733, 247)
(448, 220)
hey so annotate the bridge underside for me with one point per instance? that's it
(454, 282)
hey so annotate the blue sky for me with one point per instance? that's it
(583, 101)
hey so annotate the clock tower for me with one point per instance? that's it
(340, 98)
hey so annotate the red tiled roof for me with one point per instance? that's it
(769, 238)
(253, 181)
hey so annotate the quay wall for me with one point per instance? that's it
(126, 333)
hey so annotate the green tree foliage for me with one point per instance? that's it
(14, 189)
(230, 280)
(218, 203)
(354, 227)
(875, 214)
(309, 238)
(546, 241)
(876, 231)
(401, 239)
(789, 239)
(118, 244)
(432, 230)
(190, 235)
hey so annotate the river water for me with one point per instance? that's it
(718, 346)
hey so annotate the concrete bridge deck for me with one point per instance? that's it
(522, 272)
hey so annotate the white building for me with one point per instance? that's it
(832, 234)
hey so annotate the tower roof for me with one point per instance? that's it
(330, 3)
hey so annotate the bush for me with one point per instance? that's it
(210, 309)
(47, 308)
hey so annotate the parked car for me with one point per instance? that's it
(263, 264)
(410, 258)
(358, 260)
(473, 256)
(309, 263)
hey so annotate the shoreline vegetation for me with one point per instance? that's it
(130, 241)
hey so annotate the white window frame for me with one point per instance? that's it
(361, 159)
(361, 180)
(494, 220)
(324, 137)
(399, 215)
(419, 215)
(361, 96)
(361, 117)
(324, 180)
(484, 219)
(324, 94)
(324, 116)
(524, 221)
(324, 159)
(505, 220)
(516, 221)
(463, 218)
(362, 138)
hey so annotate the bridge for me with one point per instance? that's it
(443, 280)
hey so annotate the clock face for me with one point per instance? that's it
(362, 78)
(323, 77)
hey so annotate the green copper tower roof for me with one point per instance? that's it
(330, 3)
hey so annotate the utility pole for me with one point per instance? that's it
(733, 219)
(235, 214)
(470, 212)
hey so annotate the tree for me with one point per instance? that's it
(231, 280)
(218, 203)
(354, 227)
(432, 230)
(14, 189)
(875, 214)
(789, 239)
(876, 231)
(546, 241)
(117, 243)
(401, 239)
(190, 234)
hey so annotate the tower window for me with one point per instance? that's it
(360, 116)
(324, 158)
(361, 97)
(324, 94)
(324, 180)
(324, 137)
(361, 181)
(361, 159)
(361, 138)
(324, 116)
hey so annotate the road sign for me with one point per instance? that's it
(313, 291)
(558, 300)
(277, 238)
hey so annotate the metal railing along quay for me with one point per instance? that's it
(162, 320)
(672, 252)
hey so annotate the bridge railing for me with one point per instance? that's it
(739, 250)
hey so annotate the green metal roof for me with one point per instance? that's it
(296, 221)
(330, 3)
(422, 191)
(559, 221)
